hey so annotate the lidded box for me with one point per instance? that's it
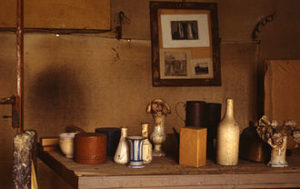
(90, 148)
(113, 135)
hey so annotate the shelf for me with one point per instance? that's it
(165, 172)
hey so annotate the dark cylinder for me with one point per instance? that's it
(195, 114)
(113, 136)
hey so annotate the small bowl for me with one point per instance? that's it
(66, 143)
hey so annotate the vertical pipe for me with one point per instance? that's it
(20, 63)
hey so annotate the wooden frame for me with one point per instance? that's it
(185, 44)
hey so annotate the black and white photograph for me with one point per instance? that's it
(185, 44)
(188, 30)
(175, 64)
(201, 68)
(184, 30)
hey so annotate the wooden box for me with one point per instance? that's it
(192, 147)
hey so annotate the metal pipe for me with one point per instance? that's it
(20, 63)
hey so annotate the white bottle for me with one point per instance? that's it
(122, 152)
(228, 135)
(147, 146)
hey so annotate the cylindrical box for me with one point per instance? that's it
(113, 136)
(90, 148)
(195, 114)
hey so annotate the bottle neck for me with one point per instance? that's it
(229, 108)
(123, 132)
(145, 127)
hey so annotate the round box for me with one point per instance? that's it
(90, 148)
(113, 136)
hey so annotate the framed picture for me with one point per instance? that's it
(185, 44)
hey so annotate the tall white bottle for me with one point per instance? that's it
(228, 135)
(122, 152)
(147, 145)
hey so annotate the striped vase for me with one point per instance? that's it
(136, 151)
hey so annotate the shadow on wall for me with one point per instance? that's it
(56, 98)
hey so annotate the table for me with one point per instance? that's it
(166, 173)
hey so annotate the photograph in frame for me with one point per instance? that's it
(185, 44)
(175, 64)
(185, 30)
(201, 68)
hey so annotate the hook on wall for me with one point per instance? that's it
(122, 19)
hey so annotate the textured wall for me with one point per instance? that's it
(91, 80)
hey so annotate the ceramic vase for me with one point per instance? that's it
(158, 136)
(147, 146)
(136, 151)
(122, 152)
(228, 133)
(278, 153)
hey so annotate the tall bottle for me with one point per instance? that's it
(122, 152)
(147, 146)
(228, 134)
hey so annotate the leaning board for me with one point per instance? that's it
(58, 14)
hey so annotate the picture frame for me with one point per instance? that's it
(185, 44)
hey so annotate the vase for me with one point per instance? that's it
(278, 142)
(158, 135)
(122, 153)
(136, 151)
(147, 146)
(228, 133)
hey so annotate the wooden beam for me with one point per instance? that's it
(20, 63)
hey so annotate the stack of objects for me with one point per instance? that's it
(198, 136)
(49, 143)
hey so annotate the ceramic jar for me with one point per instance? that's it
(228, 133)
(136, 151)
(66, 144)
(122, 153)
(147, 146)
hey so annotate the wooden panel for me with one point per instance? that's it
(67, 14)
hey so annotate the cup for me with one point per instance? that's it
(66, 143)
(194, 113)
(136, 151)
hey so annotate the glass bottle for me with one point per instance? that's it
(122, 152)
(228, 134)
(147, 146)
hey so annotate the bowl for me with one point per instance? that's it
(66, 143)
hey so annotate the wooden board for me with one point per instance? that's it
(67, 14)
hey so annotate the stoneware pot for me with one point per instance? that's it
(66, 143)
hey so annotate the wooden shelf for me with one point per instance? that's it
(165, 172)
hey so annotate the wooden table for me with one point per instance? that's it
(166, 173)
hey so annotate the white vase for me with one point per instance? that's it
(147, 146)
(158, 136)
(122, 152)
(228, 134)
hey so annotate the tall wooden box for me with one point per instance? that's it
(192, 147)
